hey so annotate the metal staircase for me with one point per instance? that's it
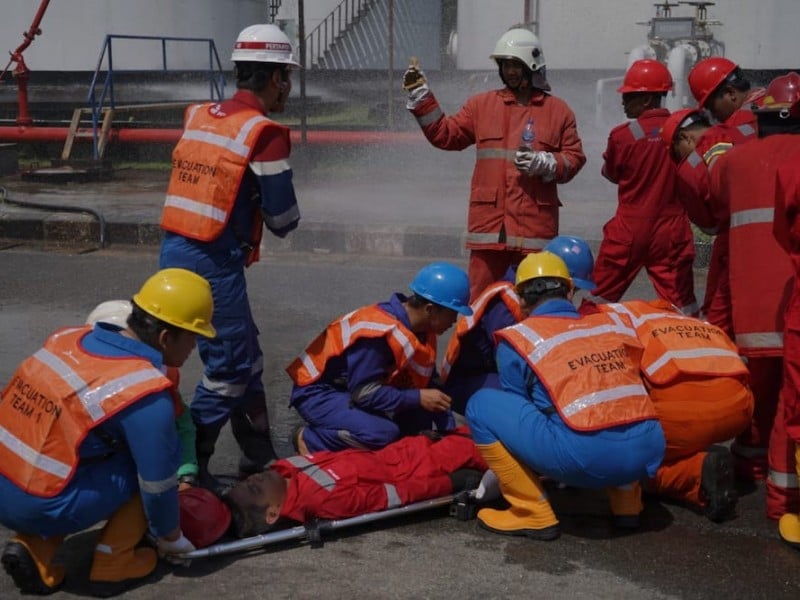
(355, 34)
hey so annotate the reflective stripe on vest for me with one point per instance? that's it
(783, 480)
(753, 216)
(55, 398)
(505, 290)
(675, 344)
(496, 154)
(590, 367)
(694, 159)
(636, 130)
(767, 339)
(208, 165)
(412, 357)
(512, 241)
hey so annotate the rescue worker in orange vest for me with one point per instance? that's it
(787, 231)
(650, 228)
(94, 410)
(116, 313)
(695, 145)
(542, 424)
(760, 277)
(368, 379)
(469, 363)
(230, 178)
(698, 385)
(513, 205)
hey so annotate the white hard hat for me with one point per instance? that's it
(521, 44)
(263, 43)
(113, 312)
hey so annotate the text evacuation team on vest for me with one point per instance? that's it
(606, 393)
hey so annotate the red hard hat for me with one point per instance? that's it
(674, 122)
(646, 75)
(707, 75)
(783, 92)
(204, 517)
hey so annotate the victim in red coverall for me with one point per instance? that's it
(347, 483)
(650, 228)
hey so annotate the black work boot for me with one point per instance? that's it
(250, 427)
(205, 440)
(717, 485)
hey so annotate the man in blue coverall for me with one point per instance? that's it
(573, 408)
(367, 379)
(230, 178)
(88, 434)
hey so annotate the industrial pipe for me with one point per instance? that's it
(171, 136)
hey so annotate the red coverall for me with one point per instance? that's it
(510, 214)
(787, 232)
(650, 228)
(711, 214)
(362, 481)
(760, 273)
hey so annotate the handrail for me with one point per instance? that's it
(331, 28)
(216, 76)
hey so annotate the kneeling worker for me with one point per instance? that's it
(93, 410)
(366, 380)
(573, 408)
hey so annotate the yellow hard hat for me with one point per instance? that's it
(542, 264)
(179, 297)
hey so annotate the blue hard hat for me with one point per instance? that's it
(576, 253)
(443, 284)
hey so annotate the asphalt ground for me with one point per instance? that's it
(676, 554)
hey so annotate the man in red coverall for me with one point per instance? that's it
(760, 276)
(513, 206)
(787, 231)
(338, 485)
(695, 145)
(650, 228)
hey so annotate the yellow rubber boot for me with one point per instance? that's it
(28, 559)
(530, 513)
(117, 563)
(789, 524)
(626, 505)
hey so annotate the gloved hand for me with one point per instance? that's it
(413, 77)
(169, 550)
(536, 164)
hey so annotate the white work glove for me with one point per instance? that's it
(536, 164)
(169, 550)
(488, 489)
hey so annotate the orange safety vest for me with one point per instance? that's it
(208, 165)
(760, 272)
(505, 290)
(676, 344)
(414, 360)
(589, 366)
(55, 398)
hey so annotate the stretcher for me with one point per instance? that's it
(461, 506)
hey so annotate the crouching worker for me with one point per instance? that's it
(339, 485)
(699, 388)
(116, 312)
(367, 379)
(573, 408)
(88, 434)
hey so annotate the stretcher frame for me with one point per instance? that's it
(313, 530)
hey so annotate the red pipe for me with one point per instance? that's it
(171, 136)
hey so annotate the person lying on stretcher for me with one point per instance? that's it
(352, 482)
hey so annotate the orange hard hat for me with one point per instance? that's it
(782, 93)
(707, 75)
(677, 120)
(204, 517)
(646, 75)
